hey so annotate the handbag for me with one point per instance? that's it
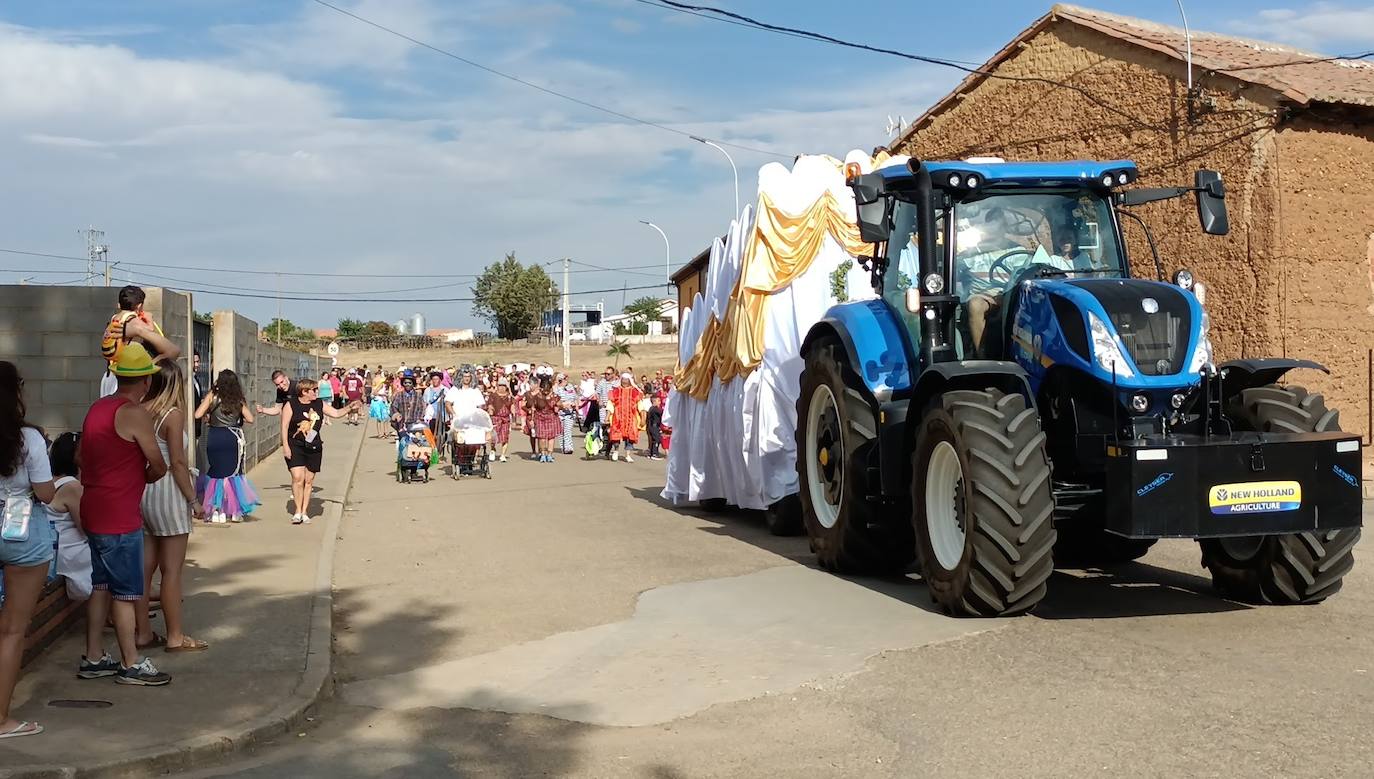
(17, 513)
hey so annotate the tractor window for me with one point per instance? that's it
(904, 263)
(999, 236)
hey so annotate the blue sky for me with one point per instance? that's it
(262, 136)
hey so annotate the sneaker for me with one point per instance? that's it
(105, 666)
(144, 674)
(628, 458)
(221, 519)
(235, 519)
(615, 456)
(503, 458)
(298, 519)
(491, 457)
(305, 519)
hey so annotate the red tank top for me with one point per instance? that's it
(112, 472)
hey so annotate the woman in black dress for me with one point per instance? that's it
(301, 443)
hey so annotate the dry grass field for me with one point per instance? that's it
(644, 358)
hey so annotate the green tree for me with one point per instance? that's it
(288, 332)
(204, 316)
(351, 328)
(618, 349)
(512, 296)
(376, 329)
(643, 311)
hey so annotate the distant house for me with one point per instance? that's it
(691, 279)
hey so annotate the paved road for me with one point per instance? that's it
(560, 620)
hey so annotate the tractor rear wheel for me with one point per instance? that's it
(984, 509)
(1283, 569)
(714, 505)
(834, 424)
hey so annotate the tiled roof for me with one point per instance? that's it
(1299, 76)
(1284, 69)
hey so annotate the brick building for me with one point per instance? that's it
(1291, 132)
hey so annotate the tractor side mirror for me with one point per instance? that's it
(872, 205)
(1211, 202)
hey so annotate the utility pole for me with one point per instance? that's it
(567, 316)
(278, 309)
(96, 250)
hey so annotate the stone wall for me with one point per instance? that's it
(1290, 279)
(53, 335)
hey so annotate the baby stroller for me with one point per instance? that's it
(414, 451)
(470, 442)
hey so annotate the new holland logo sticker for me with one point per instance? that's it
(1256, 497)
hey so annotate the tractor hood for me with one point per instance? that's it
(1147, 331)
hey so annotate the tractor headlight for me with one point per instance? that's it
(955, 180)
(934, 283)
(1184, 279)
(1106, 351)
(1140, 403)
(1177, 400)
(1199, 292)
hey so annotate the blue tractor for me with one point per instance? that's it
(1015, 396)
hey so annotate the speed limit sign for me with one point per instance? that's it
(333, 350)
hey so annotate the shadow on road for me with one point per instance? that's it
(1128, 590)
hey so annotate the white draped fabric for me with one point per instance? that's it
(740, 442)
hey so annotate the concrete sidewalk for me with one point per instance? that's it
(259, 593)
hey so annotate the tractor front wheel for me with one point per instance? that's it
(1292, 568)
(983, 504)
(835, 426)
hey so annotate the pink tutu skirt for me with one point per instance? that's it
(234, 496)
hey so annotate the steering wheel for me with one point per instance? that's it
(1002, 263)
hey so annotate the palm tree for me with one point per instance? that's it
(617, 350)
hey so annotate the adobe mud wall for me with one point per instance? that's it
(1125, 102)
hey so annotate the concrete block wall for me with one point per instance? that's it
(53, 335)
(237, 347)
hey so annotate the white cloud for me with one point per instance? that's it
(235, 164)
(1321, 26)
(627, 26)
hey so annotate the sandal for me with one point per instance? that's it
(154, 642)
(23, 729)
(188, 644)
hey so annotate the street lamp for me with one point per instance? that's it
(667, 252)
(733, 169)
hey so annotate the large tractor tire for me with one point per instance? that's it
(1283, 569)
(984, 509)
(834, 421)
(714, 505)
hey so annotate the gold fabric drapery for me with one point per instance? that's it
(780, 248)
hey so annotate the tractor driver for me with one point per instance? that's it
(996, 239)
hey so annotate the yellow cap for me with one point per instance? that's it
(133, 361)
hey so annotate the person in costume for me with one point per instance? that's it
(131, 324)
(226, 494)
(627, 419)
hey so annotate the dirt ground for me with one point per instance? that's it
(644, 358)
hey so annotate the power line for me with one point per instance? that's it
(326, 299)
(308, 274)
(1290, 63)
(747, 25)
(532, 85)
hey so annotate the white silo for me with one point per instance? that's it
(401, 326)
(417, 324)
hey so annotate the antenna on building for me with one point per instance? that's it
(1188, 58)
(895, 126)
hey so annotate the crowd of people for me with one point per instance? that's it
(111, 508)
(605, 416)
